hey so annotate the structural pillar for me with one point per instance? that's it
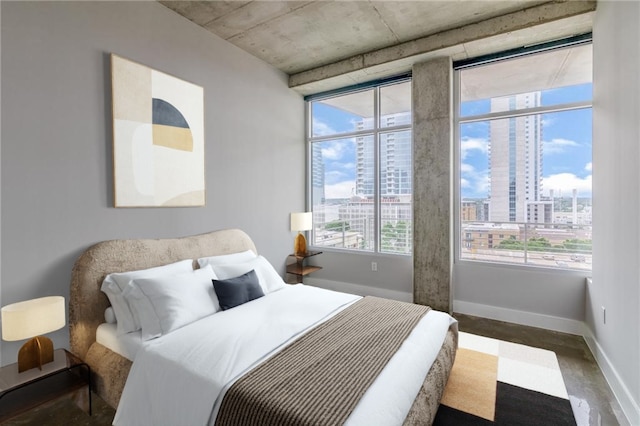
(432, 183)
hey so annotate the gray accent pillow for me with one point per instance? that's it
(235, 291)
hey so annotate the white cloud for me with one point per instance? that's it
(564, 184)
(468, 144)
(475, 182)
(350, 167)
(482, 183)
(467, 168)
(336, 176)
(558, 145)
(334, 150)
(589, 166)
(340, 190)
(321, 128)
(549, 121)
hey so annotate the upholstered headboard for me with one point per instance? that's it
(87, 303)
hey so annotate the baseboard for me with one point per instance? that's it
(485, 311)
(629, 406)
(531, 319)
(359, 289)
(492, 312)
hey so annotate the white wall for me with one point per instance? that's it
(57, 139)
(394, 273)
(616, 183)
(541, 298)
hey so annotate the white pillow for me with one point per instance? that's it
(269, 279)
(226, 259)
(124, 317)
(109, 315)
(167, 303)
(115, 283)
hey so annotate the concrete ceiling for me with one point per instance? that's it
(562, 67)
(324, 43)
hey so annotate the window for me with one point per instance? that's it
(524, 160)
(361, 168)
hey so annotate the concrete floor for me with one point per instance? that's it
(592, 400)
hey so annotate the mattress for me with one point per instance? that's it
(126, 345)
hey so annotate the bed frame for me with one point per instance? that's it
(110, 370)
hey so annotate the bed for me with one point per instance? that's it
(110, 354)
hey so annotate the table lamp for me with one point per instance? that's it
(29, 320)
(301, 222)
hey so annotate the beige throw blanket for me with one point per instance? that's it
(319, 378)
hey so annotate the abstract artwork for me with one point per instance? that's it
(158, 138)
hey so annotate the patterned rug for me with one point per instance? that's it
(494, 382)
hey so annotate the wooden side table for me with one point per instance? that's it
(297, 268)
(20, 392)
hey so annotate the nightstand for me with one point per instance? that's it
(20, 392)
(297, 267)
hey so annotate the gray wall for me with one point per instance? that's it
(57, 140)
(351, 272)
(616, 183)
(536, 297)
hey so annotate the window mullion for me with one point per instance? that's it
(335, 136)
(360, 133)
(525, 111)
(376, 168)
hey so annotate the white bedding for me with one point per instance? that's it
(126, 345)
(180, 378)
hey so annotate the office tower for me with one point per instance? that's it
(515, 163)
(317, 179)
(395, 158)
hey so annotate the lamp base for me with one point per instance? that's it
(35, 353)
(300, 245)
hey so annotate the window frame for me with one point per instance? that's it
(375, 133)
(459, 120)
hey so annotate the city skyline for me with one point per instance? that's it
(566, 147)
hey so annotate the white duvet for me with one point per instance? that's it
(181, 378)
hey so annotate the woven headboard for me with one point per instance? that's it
(87, 303)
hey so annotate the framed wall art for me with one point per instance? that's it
(158, 138)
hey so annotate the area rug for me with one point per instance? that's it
(494, 382)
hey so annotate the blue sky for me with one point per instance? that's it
(566, 147)
(339, 155)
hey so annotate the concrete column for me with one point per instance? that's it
(432, 187)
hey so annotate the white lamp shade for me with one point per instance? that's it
(31, 318)
(301, 221)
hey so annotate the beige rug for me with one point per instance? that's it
(498, 382)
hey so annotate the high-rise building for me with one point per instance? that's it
(515, 163)
(395, 158)
(317, 179)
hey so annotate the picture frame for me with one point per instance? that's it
(158, 138)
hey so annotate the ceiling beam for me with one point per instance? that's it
(445, 40)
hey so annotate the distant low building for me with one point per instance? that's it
(482, 235)
(469, 211)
